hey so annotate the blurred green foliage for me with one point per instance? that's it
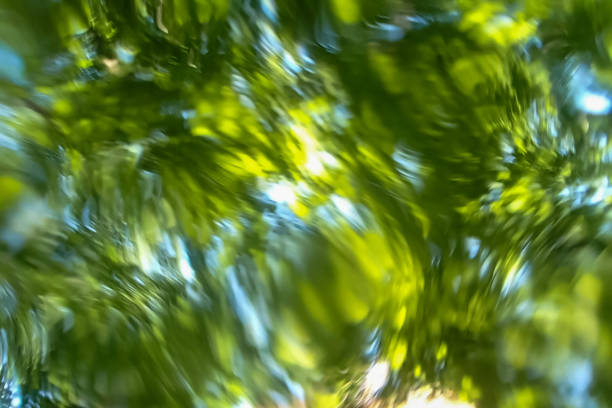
(219, 203)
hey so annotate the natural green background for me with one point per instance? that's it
(217, 203)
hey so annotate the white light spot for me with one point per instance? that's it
(376, 377)
(317, 161)
(186, 269)
(281, 193)
(290, 64)
(596, 104)
(344, 205)
(305, 137)
(329, 159)
(183, 263)
(244, 404)
(602, 193)
(424, 398)
(314, 165)
(347, 209)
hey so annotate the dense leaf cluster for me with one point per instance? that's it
(219, 203)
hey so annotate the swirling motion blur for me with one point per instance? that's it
(323, 203)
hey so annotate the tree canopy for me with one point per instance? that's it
(322, 203)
